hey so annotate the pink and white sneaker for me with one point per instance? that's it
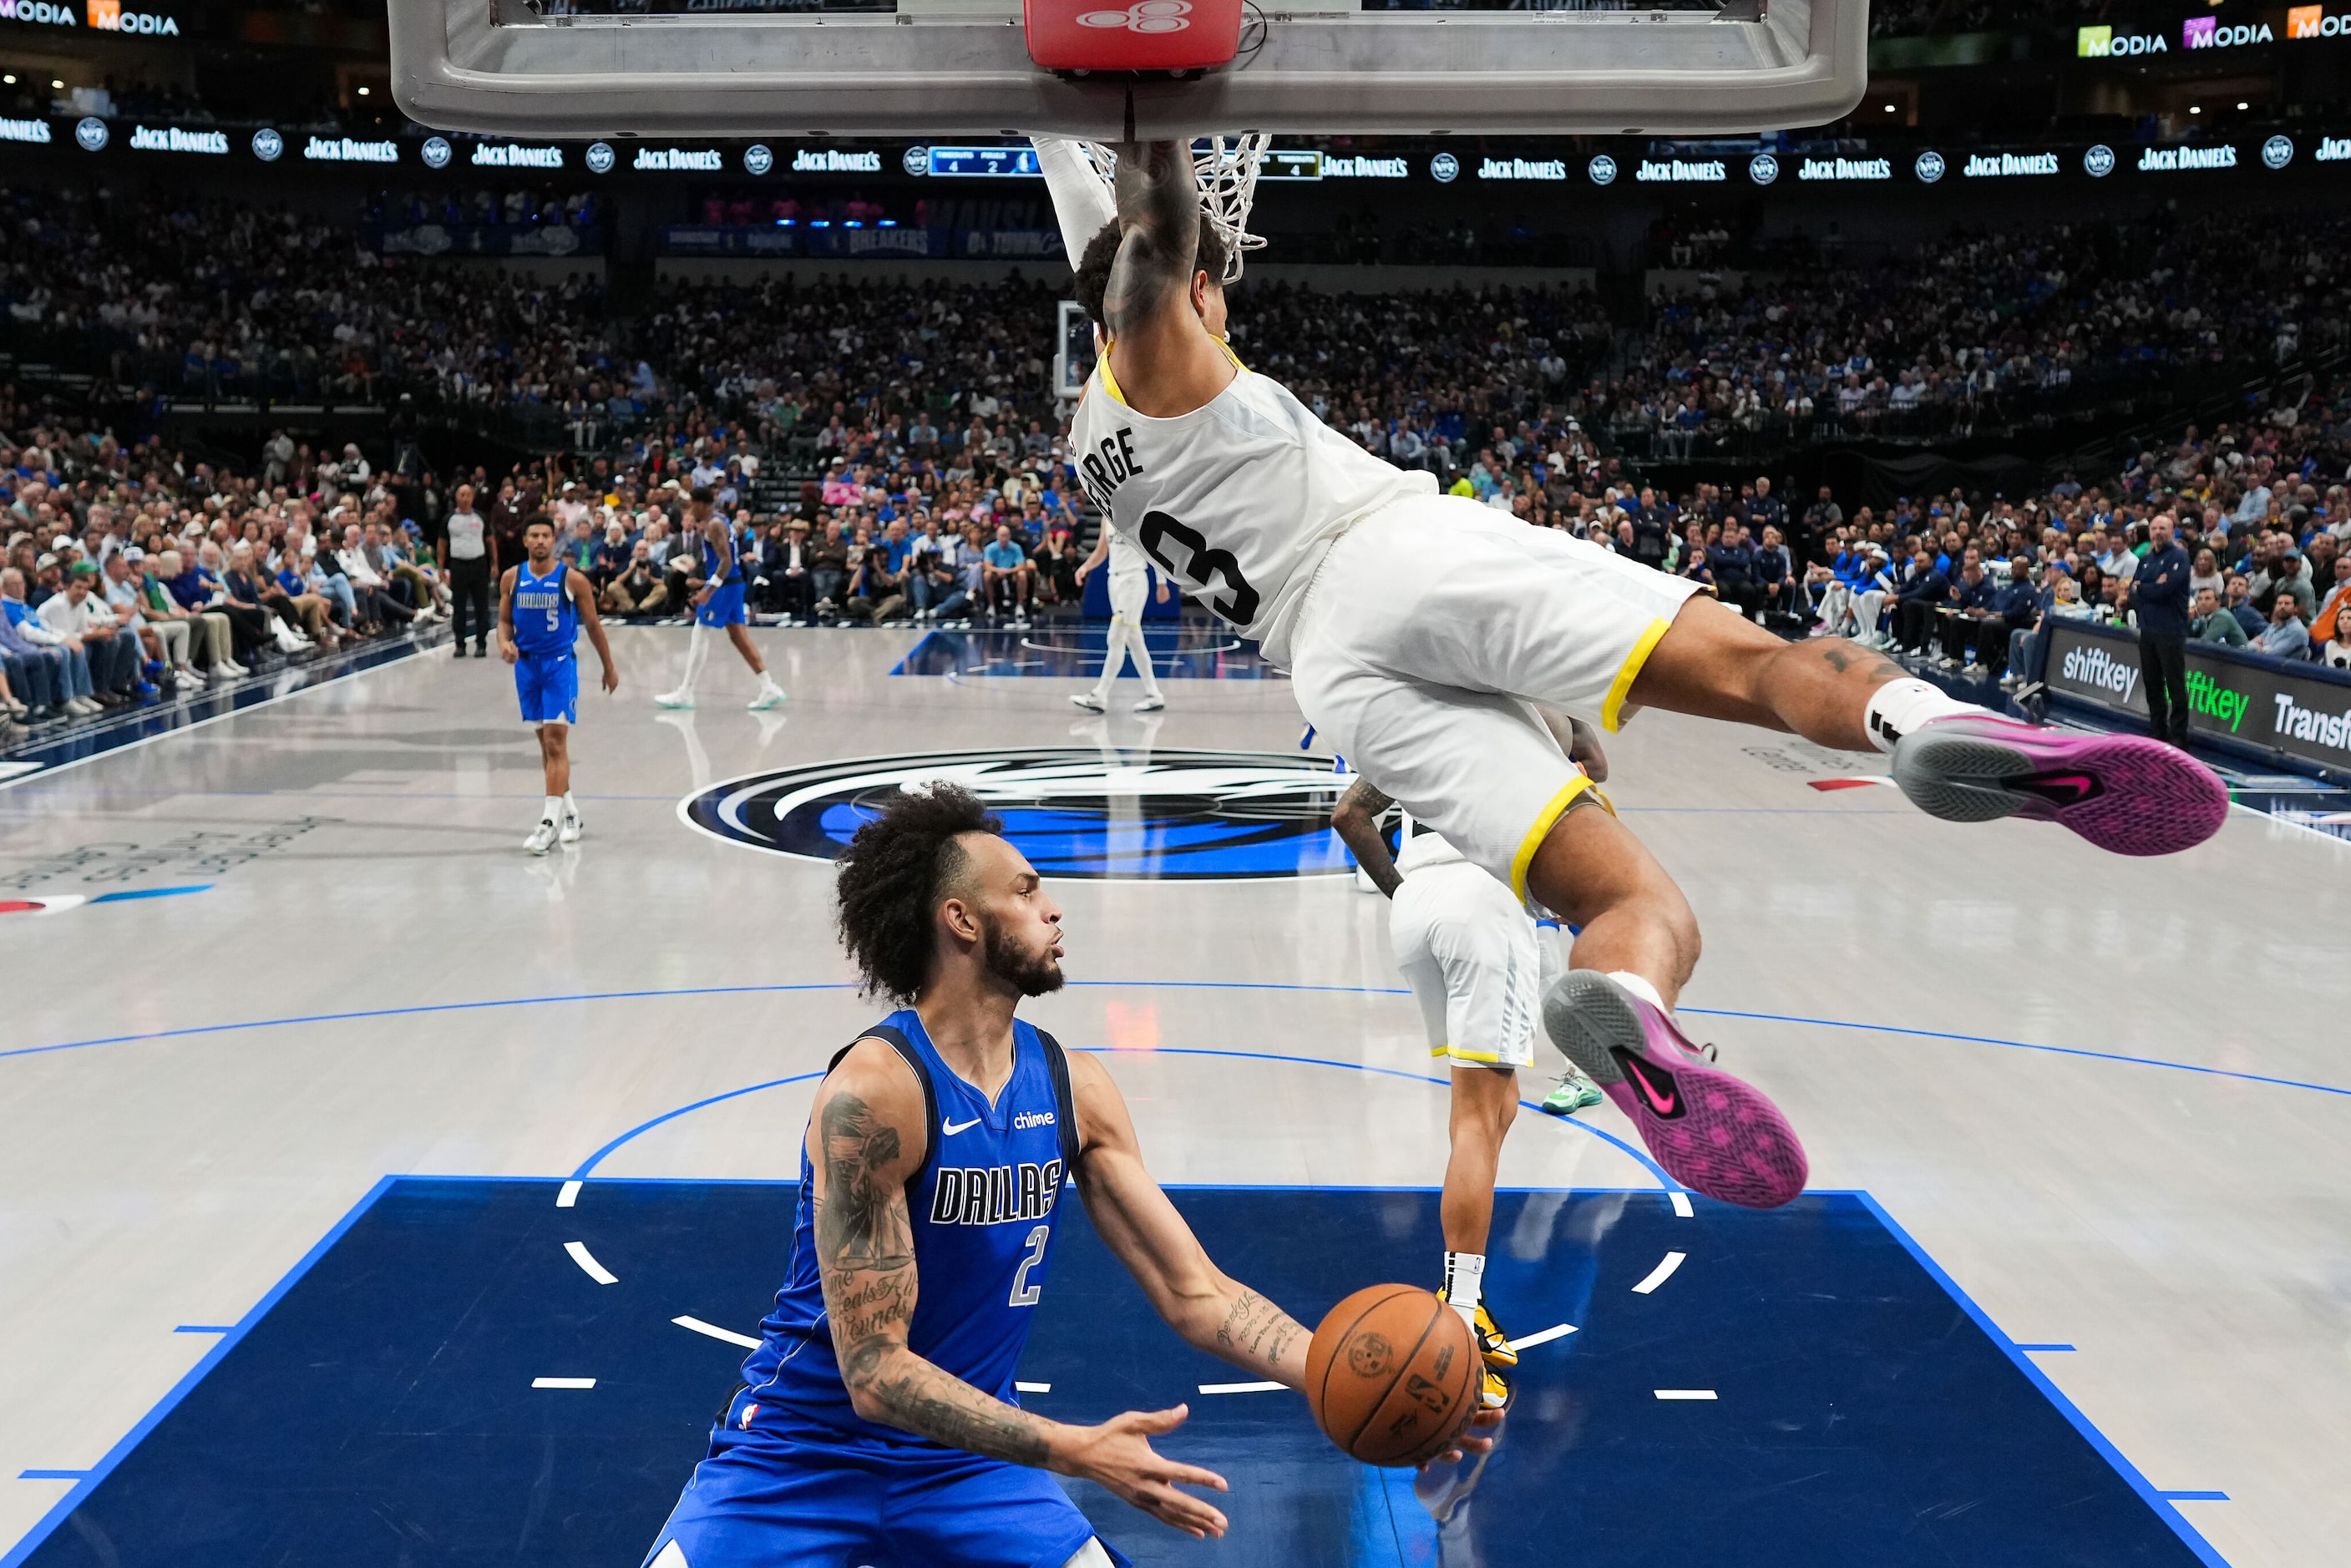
(2124, 793)
(1713, 1132)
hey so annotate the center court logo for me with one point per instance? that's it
(1076, 811)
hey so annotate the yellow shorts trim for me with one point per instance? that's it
(1612, 713)
(1542, 829)
(1482, 1058)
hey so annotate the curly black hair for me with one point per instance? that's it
(892, 876)
(1092, 278)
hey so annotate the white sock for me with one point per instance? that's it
(570, 807)
(1465, 1283)
(554, 808)
(1899, 707)
(696, 651)
(1639, 987)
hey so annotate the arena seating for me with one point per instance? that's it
(876, 413)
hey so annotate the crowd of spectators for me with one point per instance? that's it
(1908, 18)
(132, 576)
(1987, 328)
(514, 207)
(220, 299)
(890, 451)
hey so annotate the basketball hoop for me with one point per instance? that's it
(958, 67)
(1226, 168)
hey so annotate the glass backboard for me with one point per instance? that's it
(945, 68)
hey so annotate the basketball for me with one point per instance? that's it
(1392, 1375)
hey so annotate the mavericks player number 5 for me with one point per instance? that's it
(543, 604)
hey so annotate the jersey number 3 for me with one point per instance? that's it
(1023, 1292)
(1200, 564)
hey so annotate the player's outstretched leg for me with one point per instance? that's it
(2128, 794)
(1611, 1015)
(696, 651)
(1153, 699)
(1485, 1101)
(555, 762)
(769, 693)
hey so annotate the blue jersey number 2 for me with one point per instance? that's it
(1023, 1292)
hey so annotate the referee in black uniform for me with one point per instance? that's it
(469, 561)
(2160, 592)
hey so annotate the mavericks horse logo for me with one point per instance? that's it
(1075, 812)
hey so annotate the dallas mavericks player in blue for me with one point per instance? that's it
(878, 1423)
(718, 590)
(542, 605)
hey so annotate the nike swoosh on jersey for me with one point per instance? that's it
(951, 1129)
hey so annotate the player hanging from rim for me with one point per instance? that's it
(1478, 965)
(1420, 669)
(878, 1421)
(718, 597)
(542, 605)
(1130, 581)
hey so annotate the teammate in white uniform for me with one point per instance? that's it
(1477, 963)
(1130, 585)
(1418, 663)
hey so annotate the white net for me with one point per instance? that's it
(1227, 169)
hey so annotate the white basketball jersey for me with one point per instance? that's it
(1127, 560)
(1237, 500)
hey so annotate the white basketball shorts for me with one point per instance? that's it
(1475, 962)
(1129, 592)
(1433, 623)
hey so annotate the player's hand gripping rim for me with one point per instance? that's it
(1118, 1456)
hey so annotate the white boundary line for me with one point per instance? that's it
(1661, 1273)
(715, 1331)
(588, 1265)
(1683, 1393)
(570, 1195)
(1681, 1204)
(1242, 1388)
(563, 1383)
(1557, 1331)
(1032, 1387)
(194, 725)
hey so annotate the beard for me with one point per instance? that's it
(1030, 975)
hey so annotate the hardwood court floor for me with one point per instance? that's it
(2104, 1099)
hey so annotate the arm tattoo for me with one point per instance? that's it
(946, 1409)
(1257, 1328)
(1356, 819)
(865, 1251)
(861, 1224)
(1159, 218)
(1362, 793)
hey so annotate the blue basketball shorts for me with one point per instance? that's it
(724, 608)
(548, 685)
(763, 1500)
